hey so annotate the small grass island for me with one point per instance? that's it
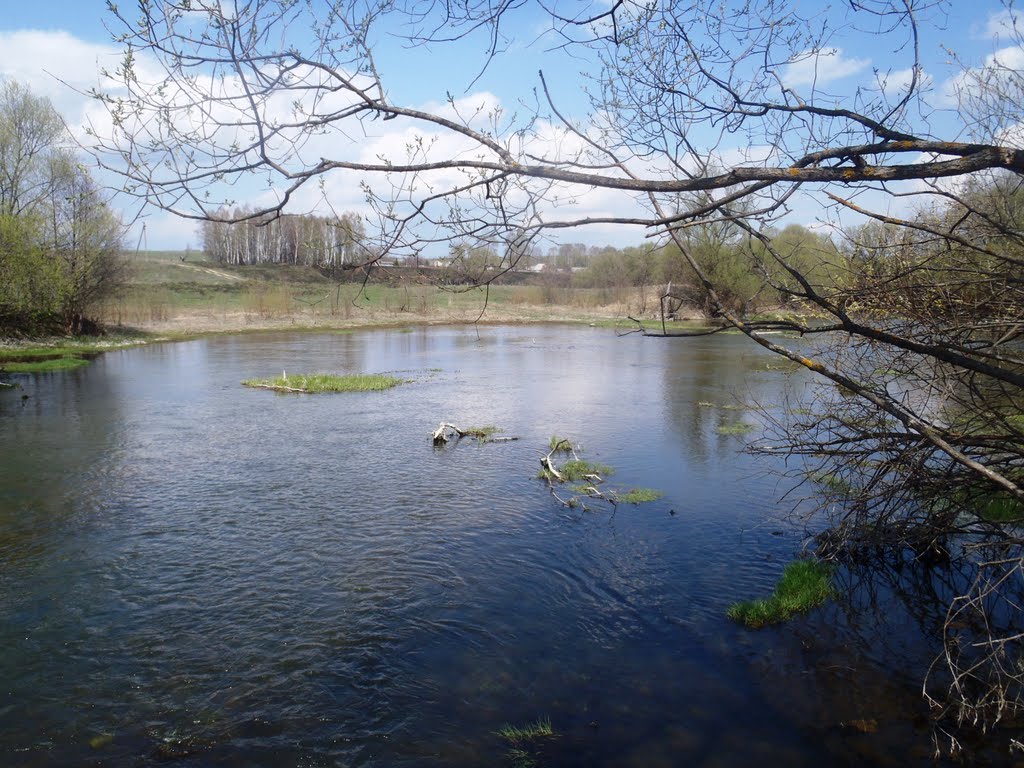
(326, 382)
(805, 584)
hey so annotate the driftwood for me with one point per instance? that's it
(276, 387)
(446, 433)
(551, 473)
(549, 467)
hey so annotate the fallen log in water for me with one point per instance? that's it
(446, 433)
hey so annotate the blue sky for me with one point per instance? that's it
(49, 41)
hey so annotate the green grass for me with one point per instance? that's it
(997, 507)
(45, 366)
(739, 428)
(639, 495)
(987, 505)
(69, 347)
(723, 407)
(805, 584)
(64, 353)
(531, 732)
(520, 758)
(483, 434)
(327, 382)
(578, 469)
(562, 444)
(584, 477)
(832, 482)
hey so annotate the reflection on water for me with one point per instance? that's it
(197, 572)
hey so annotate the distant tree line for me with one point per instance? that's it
(60, 243)
(746, 280)
(316, 241)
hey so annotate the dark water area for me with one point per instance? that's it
(195, 573)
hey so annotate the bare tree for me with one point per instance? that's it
(696, 120)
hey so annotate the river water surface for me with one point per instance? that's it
(196, 573)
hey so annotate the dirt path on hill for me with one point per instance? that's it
(211, 271)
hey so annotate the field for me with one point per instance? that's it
(170, 294)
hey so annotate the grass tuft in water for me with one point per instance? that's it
(520, 758)
(530, 732)
(639, 495)
(739, 428)
(831, 482)
(560, 444)
(484, 434)
(578, 469)
(327, 382)
(998, 507)
(805, 584)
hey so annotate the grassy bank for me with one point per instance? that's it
(62, 353)
(169, 299)
(44, 366)
(166, 294)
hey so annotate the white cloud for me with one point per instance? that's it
(1001, 73)
(1007, 23)
(1012, 135)
(818, 67)
(895, 84)
(69, 67)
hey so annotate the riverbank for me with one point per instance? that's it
(46, 353)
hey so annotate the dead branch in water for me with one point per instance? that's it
(446, 433)
(550, 469)
(276, 388)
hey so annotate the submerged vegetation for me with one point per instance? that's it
(805, 584)
(738, 428)
(995, 507)
(326, 382)
(522, 740)
(539, 729)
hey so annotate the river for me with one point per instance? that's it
(197, 573)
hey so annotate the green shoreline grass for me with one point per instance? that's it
(49, 365)
(805, 584)
(326, 382)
